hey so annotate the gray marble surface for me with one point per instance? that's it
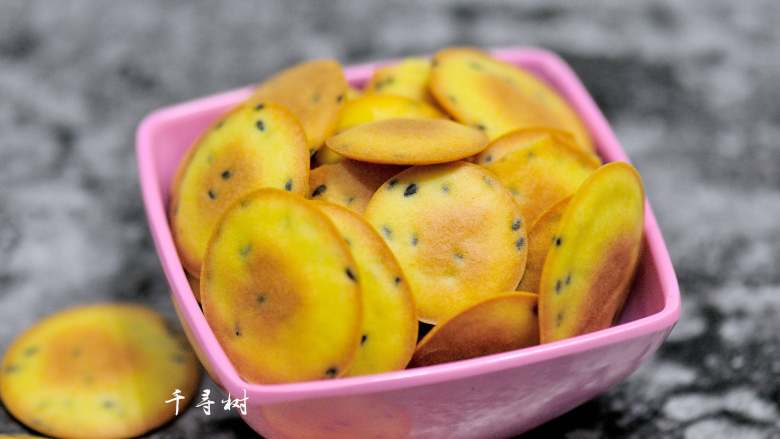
(691, 88)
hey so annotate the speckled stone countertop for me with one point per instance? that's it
(691, 88)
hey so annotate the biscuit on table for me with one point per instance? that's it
(98, 371)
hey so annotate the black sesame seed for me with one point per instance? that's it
(558, 241)
(259, 106)
(245, 250)
(481, 127)
(459, 256)
(516, 224)
(319, 190)
(445, 188)
(331, 372)
(261, 299)
(260, 125)
(387, 232)
(397, 280)
(414, 240)
(237, 330)
(220, 124)
(520, 243)
(559, 318)
(350, 274)
(212, 194)
(488, 158)
(350, 200)
(568, 279)
(339, 98)
(363, 339)
(226, 174)
(392, 183)
(558, 286)
(288, 185)
(410, 190)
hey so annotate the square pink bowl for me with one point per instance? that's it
(494, 396)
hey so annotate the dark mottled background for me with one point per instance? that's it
(691, 88)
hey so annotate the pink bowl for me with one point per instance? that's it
(493, 396)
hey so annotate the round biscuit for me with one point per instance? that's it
(588, 270)
(280, 290)
(254, 146)
(456, 232)
(389, 318)
(97, 371)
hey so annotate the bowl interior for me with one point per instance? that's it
(168, 133)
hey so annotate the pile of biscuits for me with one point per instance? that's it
(319, 223)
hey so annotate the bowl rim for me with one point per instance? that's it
(562, 78)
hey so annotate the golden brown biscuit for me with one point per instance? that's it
(519, 139)
(409, 141)
(589, 267)
(498, 324)
(313, 91)
(540, 236)
(456, 232)
(371, 108)
(482, 91)
(349, 183)
(280, 290)
(543, 173)
(98, 371)
(408, 78)
(389, 320)
(251, 148)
